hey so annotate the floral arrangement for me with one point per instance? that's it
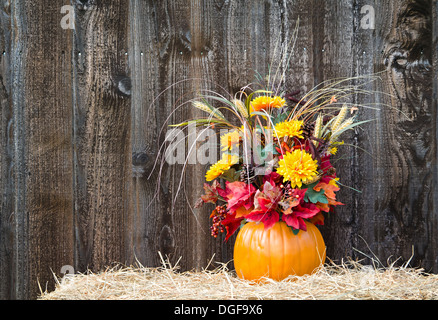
(276, 162)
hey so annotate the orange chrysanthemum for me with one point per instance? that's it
(265, 103)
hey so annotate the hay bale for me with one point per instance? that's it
(346, 281)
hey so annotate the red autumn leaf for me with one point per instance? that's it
(265, 204)
(295, 219)
(294, 222)
(231, 224)
(271, 195)
(273, 178)
(328, 171)
(325, 164)
(269, 218)
(239, 194)
(211, 193)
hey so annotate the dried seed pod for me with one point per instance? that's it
(247, 173)
(317, 128)
(339, 118)
(210, 110)
(308, 129)
(241, 107)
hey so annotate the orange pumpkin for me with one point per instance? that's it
(277, 252)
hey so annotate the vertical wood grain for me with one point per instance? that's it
(42, 126)
(434, 164)
(143, 59)
(410, 146)
(6, 154)
(173, 46)
(102, 126)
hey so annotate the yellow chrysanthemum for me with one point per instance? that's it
(221, 166)
(230, 139)
(289, 128)
(265, 102)
(297, 167)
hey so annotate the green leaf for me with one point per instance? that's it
(315, 196)
(280, 118)
(230, 175)
(295, 231)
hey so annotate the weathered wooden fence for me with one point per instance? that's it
(83, 106)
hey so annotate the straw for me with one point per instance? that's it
(346, 281)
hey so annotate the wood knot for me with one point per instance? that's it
(85, 4)
(123, 85)
(139, 161)
(166, 239)
(139, 158)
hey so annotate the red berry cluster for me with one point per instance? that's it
(219, 214)
(287, 189)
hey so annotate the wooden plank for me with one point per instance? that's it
(302, 71)
(162, 46)
(406, 217)
(6, 153)
(434, 164)
(41, 100)
(144, 65)
(102, 126)
(345, 44)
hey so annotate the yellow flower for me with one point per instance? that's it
(289, 128)
(265, 102)
(297, 167)
(333, 182)
(333, 150)
(230, 139)
(221, 166)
